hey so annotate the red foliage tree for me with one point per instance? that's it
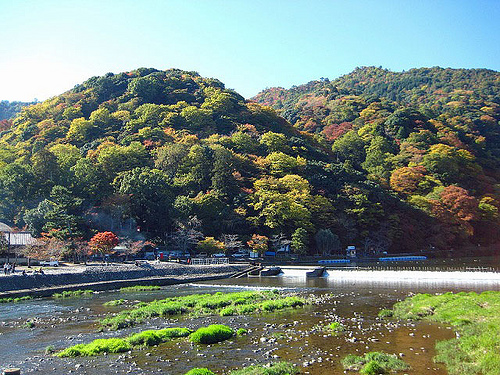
(103, 243)
(334, 131)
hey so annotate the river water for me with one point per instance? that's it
(352, 297)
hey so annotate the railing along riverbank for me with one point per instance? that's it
(208, 261)
(415, 268)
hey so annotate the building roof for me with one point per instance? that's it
(20, 239)
(4, 227)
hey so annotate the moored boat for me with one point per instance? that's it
(270, 271)
(317, 272)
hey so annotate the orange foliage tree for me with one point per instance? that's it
(103, 243)
(258, 243)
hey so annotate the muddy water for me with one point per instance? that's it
(295, 336)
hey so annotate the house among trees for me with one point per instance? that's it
(12, 240)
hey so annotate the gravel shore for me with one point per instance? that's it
(101, 274)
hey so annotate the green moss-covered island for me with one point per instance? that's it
(205, 304)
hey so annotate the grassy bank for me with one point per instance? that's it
(476, 320)
(204, 304)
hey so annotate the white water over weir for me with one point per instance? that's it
(458, 278)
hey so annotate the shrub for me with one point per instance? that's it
(211, 334)
(199, 371)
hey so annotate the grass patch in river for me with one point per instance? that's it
(335, 327)
(119, 345)
(204, 304)
(199, 371)
(140, 288)
(385, 313)
(374, 363)
(15, 299)
(155, 337)
(212, 334)
(72, 293)
(476, 320)
(113, 345)
(115, 302)
(280, 368)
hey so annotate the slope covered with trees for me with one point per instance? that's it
(430, 136)
(172, 157)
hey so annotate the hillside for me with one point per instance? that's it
(150, 154)
(10, 109)
(431, 136)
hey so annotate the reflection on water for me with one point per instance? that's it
(291, 335)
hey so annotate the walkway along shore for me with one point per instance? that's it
(114, 276)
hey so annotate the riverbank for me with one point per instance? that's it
(112, 276)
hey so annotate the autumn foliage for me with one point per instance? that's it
(103, 243)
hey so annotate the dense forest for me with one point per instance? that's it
(429, 136)
(9, 110)
(398, 162)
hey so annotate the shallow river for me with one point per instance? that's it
(292, 335)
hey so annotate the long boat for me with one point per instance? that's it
(317, 272)
(402, 258)
(333, 261)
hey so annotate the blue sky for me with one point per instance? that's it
(48, 46)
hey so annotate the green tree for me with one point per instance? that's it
(350, 147)
(113, 158)
(275, 142)
(151, 198)
(223, 180)
(17, 189)
(90, 180)
(327, 242)
(283, 203)
(300, 241)
(210, 245)
(170, 157)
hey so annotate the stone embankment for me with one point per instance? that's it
(105, 277)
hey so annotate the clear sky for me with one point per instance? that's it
(48, 46)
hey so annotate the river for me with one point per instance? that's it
(355, 298)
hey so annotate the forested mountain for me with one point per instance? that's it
(10, 109)
(147, 152)
(431, 136)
